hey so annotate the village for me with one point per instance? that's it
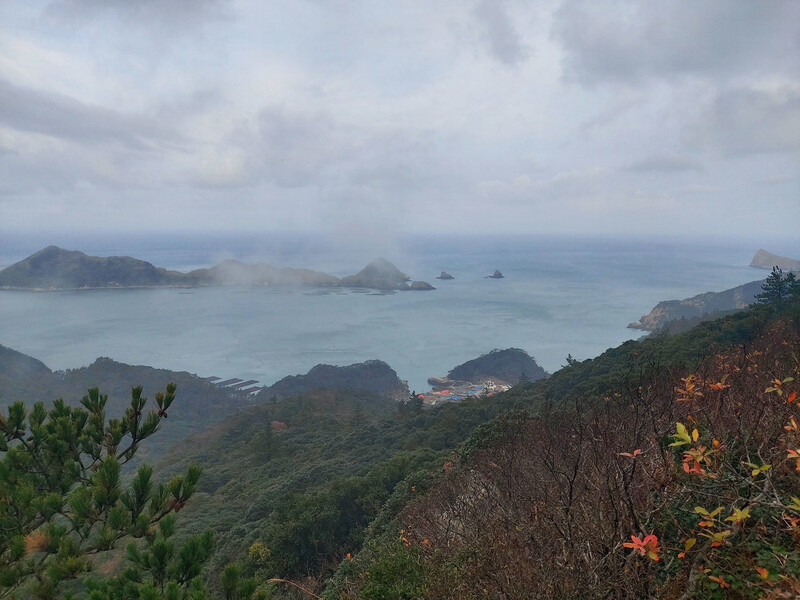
(460, 390)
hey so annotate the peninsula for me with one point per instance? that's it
(701, 305)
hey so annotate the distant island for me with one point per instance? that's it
(445, 275)
(495, 275)
(54, 268)
(767, 260)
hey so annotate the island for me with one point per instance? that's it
(445, 275)
(54, 268)
(767, 260)
(495, 275)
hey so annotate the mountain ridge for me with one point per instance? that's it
(54, 269)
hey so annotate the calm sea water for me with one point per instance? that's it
(560, 296)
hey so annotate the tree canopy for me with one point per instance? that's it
(63, 501)
(778, 289)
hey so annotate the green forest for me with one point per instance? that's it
(667, 467)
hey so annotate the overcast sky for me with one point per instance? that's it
(543, 116)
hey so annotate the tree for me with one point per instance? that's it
(778, 289)
(415, 404)
(62, 497)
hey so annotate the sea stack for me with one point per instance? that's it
(495, 275)
(445, 275)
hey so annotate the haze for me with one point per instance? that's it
(359, 116)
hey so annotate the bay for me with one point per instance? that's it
(560, 296)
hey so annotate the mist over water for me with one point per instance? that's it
(559, 296)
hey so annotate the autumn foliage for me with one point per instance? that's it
(678, 484)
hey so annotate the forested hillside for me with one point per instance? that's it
(201, 404)
(667, 468)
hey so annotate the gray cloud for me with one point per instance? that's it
(739, 122)
(498, 30)
(608, 115)
(779, 179)
(665, 164)
(57, 115)
(158, 15)
(313, 113)
(612, 41)
(286, 147)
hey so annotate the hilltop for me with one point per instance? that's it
(500, 366)
(26, 379)
(380, 274)
(372, 376)
(55, 268)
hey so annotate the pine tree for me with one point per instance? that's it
(778, 289)
(62, 496)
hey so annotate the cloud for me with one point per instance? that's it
(609, 115)
(157, 15)
(697, 189)
(606, 41)
(298, 114)
(565, 185)
(281, 146)
(779, 179)
(741, 122)
(665, 164)
(56, 115)
(504, 43)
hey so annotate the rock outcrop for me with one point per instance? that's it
(495, 275)
(445, 275)
(767, 260)
(372, 376)
(421, 286)
(698, 306)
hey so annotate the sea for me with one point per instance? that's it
(560, 296)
